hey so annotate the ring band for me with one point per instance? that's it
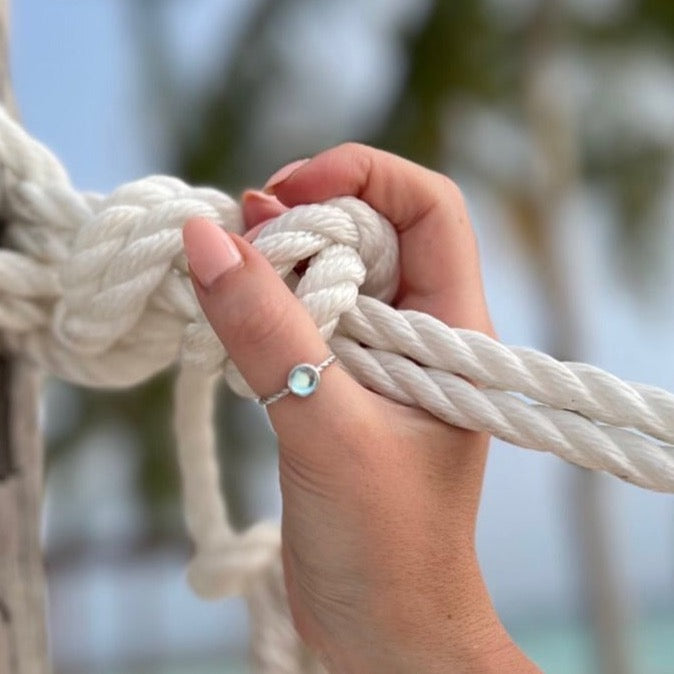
(303, 380)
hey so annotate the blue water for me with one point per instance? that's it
(568, 649)
(556, 648)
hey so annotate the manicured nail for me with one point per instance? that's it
(210, 250)
(259, 198)
(282, 175)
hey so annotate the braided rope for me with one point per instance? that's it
(95, 289)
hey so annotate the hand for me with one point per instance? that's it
(379, 500)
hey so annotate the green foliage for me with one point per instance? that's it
(457, 51)
(658, 16)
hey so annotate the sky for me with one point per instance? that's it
(79, 90)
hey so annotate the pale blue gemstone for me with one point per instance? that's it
(303, 380)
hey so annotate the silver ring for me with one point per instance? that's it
(303, 380)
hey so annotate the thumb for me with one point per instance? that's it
(264, 328)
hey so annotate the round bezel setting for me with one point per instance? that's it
(303, 379)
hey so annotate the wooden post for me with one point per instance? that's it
(23, 637)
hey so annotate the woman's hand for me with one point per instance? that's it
(379, 500)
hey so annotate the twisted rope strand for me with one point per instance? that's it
(571, 436)
(565, 385)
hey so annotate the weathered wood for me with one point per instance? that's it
(23, 638)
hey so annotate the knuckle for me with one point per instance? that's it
(351, 147)
(457, 209)
(359, 157)
(452, 192)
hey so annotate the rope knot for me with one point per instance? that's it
(124, 285)
(126, 263)
(348, 248)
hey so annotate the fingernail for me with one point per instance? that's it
(259, 198)
(282, 175)
(210, 251)
(253, 232)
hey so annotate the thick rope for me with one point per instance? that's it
(96, 291)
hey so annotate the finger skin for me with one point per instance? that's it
(258, 207)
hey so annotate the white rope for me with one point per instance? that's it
(95, 289)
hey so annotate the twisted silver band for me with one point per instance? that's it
(303, 380)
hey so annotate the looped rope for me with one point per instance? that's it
(95, 289)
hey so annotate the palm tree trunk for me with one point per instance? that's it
(552, 121)
(23, 640)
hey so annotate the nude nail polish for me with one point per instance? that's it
(210, 251)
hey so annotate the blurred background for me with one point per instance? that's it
(556, 117)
